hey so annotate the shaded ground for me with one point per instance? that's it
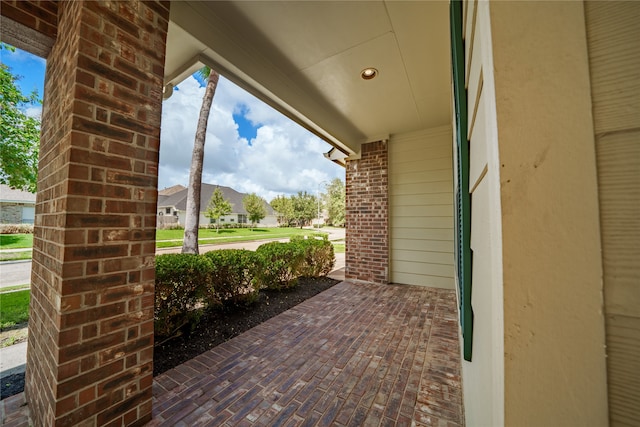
(215, 328)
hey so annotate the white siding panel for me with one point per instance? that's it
(435, 152)
(425, 220)
(435, 210)
(421, 199)
(424, 234)
(421, 208)
(422, 256)
(614, 58)
(423, 187)
(422, 245)
(426, 269)
(420, 165)
(423, 176)
(422, 280)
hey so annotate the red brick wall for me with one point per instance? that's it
(91, 329)
(367, 215)
(41, 16)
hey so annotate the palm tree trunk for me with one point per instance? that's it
(192, 220)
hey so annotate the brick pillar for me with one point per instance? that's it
(367, 215)
(91, 328)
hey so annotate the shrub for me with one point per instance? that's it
(279, 265)
(173, 226)
(181, 283)
(233, 276)
(318, 257)
(16, 228)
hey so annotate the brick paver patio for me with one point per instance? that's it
(355, 355)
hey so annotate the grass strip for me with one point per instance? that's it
(16, 241)
(14, 308)
(15, 256)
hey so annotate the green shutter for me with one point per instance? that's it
(463, 199)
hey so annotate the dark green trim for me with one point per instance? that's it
(463, 199)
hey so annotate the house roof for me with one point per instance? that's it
(178, 200)
(171, 190)
(8, 194)
(305, 59)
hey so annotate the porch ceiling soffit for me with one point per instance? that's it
(305, 59)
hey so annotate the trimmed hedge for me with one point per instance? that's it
(181, 284)
(280, 265)
(319, 257)
(16, 228)
(186, 283)
(233, 276)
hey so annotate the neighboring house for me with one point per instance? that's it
(537, 143)
(16, 206)
(174, 205)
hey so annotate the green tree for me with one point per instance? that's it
(284, 207)
(19, 133)
(192, 218)
(335, 202)
(218, 206)
(305, 207)
(255, 206)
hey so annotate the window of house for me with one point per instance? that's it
(221, 219)
(28, 214)
(167, 210)
(463, 198)
(231, 220)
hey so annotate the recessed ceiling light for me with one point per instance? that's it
(369, 73)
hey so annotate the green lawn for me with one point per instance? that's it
(338, 248)
(14, 308)
(169, 238)
(16, 241)
(165, 238)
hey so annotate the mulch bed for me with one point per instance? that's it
(214, 328)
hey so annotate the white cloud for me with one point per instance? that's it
(283, 157)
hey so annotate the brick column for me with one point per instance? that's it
(367, 215)
(91, 328)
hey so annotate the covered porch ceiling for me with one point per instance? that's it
(305, 59)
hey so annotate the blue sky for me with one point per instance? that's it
(250, 146)
(29, 67)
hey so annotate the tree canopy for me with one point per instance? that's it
(284, 208)
(335, 202)
(305, 207)
(218, 206)
(255, 206)
(19, 133)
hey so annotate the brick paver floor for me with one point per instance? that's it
(354, 355)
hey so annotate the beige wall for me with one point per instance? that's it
(554, 360)
(421, 208)
(483, 377)
(613, 30)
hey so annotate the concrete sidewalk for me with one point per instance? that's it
(13, 359)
